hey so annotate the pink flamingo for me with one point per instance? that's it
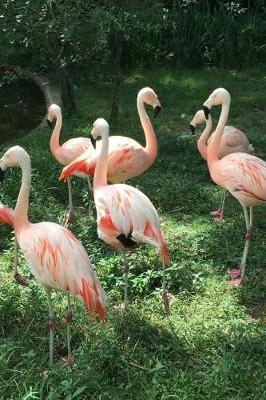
(67, 152)
(7, 217)
(57, 258)
(243, 175)
(127, 158)
(232, 141)
(125, 216)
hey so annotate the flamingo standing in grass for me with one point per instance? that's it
(57, 258)
(67, 152)
(125, 216)
(127, 158)
(232, 141)
(243, 175)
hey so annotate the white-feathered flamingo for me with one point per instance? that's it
(57, 258)
(243, 175)
(67, 152)
(7, 217)
(125, 216)
(232, 141)
(126, 158)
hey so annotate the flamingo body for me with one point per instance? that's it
(126, 157)
(244, 176)
(59, 261)
(123, 211)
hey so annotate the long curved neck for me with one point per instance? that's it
(54, 141)
(203, 139)
(21, 209)
(151, 141)
(213, 147)
(100, 174)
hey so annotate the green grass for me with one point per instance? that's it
(212, 344)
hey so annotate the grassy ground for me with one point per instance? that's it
(211, 346)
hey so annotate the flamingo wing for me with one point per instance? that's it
(245, 177)
(73, 148)
(59, 261)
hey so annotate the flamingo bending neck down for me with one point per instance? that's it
(126, 158)
(7, 217)
(232, 141)
(57, 258)
(243, 175)
(67, 152)
(125, 216)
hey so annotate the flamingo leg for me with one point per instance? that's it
(18, 277)
(51, 326)
(239, 278)
(125, 269)
(165, 296)
(90, 193)
(68, 319)
(70, 213)
(218, 214)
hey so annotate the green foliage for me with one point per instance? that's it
(212, 345)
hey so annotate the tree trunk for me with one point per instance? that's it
(117, 79)
(67, 92)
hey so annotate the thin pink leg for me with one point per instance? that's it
(218, 214)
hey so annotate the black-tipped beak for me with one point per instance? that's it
(206, 111)
(157, 109)
(49, 123)
(192, 128)
(2, 175)
(93, 141)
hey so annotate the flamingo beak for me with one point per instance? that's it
(93, 141)
(49, 123)
(206, 111)
(157, 109)
(2, 175)
(192, 128)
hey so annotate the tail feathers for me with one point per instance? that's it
(159, 243)
(92, 297)
(251, 150)
(77, 166)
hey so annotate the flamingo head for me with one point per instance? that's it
(53, 112)
(198, 119)
(149, 96)
(100, 128)
(218, 96)
(14, 157)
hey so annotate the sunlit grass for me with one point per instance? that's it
(211, 346)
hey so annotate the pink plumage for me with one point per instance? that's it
(126, 157)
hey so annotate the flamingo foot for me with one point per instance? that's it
(217, 215)
(165, 297)
(68, 361)
(21, 279)
(120, 307)
(234, 273)
(237, 282)
(69, 218)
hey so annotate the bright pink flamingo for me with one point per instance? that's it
(232, 141)
(7, 217)
(125, 216)
(67, 152)
(127, 158)
(57, 258)
(243, 175)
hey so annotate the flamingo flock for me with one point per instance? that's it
(125, 215)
